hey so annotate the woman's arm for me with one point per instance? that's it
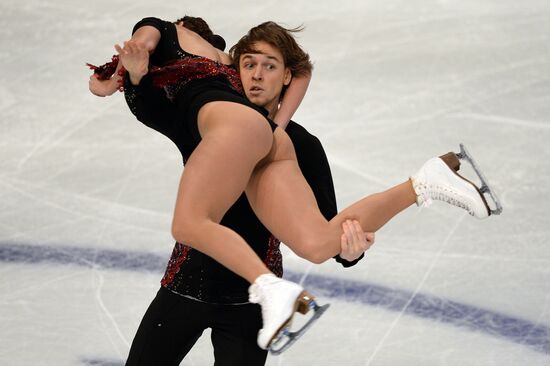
(144, 39)
(105, 87)
(291, 101)
(134, 56)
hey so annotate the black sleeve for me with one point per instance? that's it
(152, 21)
(346, 263)
(165, 49)
(152, 108)
(150, 104)
(314, 165)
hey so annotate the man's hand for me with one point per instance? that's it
(354, 240)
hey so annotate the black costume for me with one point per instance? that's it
(197, 292)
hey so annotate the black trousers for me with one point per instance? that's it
(173, 324)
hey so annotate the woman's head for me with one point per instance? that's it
(199, 26)
(295, 58)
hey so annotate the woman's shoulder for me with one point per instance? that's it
(158, 23)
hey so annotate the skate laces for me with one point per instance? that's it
(427, 193)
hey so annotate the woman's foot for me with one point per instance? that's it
(438, 180)
(279, 299)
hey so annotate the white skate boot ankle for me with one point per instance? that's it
(437, 180)
(279, 300)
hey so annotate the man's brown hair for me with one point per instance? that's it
(294, 57)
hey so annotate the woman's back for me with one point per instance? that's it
(176, 42)
(192, 43)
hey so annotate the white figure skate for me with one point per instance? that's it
(438, 180)
(280, 299)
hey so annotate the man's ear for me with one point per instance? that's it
(288, 76)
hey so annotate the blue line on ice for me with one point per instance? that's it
(520, 331)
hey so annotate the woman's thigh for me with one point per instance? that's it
(235, 139)
(284, 202)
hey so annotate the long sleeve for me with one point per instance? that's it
(151, 107)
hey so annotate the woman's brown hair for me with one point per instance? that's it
(201, 27)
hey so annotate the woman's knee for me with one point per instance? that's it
(312, 248)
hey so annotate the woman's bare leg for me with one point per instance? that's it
(284, 202)
(234, 140)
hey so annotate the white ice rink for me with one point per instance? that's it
(86, 192)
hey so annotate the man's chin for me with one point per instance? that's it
(257, 100)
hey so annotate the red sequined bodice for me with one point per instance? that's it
(176, 74)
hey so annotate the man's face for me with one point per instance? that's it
(263, 75)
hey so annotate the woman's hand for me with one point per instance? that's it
(135, 59)
(354, 240)
(102, 88)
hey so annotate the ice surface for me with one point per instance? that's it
(87, 192)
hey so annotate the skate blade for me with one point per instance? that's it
(286, 338)
(485, 187)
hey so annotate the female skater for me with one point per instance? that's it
(197, 292)
(236, 148)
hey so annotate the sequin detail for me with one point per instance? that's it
(274, 259)
(179, 256)
(107, 70)
(176, 74)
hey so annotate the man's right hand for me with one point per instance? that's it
(354, 240)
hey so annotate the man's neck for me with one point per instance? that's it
(272, 109)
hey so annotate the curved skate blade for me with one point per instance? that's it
(286, 338)
(485, 187)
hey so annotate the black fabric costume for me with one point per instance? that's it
(173, 324)
(191, 81)
(194, 285)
